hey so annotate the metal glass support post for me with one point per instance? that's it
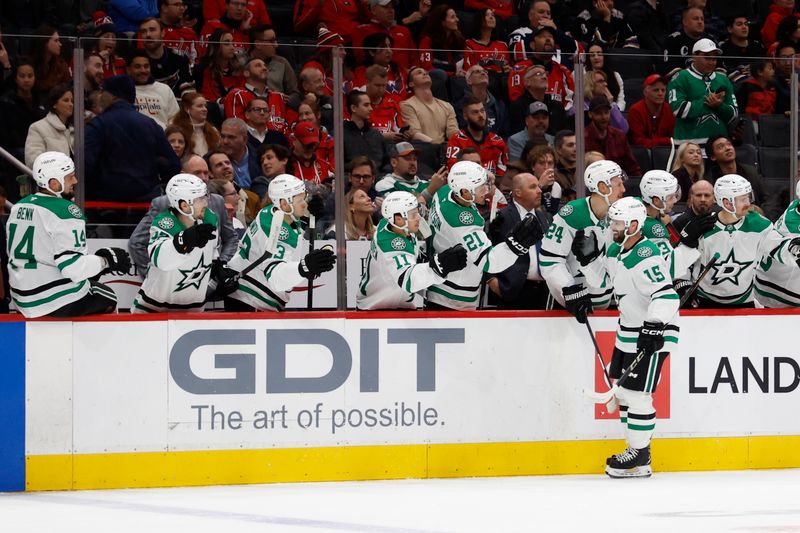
(793, 123)
(79, 124)
(577, 103)
(338, 154)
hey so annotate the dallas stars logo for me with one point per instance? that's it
(193, 277)
(729, 270)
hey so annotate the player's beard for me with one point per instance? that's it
(477, 126)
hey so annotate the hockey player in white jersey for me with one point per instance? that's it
(50, 273)
(182, 247)
(393, 276)
(275, 243)
(778, 284)
(743, 239)
(454, 219)
(648, 307)
(560, 269)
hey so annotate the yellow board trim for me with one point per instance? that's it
(351, 463)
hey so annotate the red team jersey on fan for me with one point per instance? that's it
(182, 40)
(404, 47)
(559, 81)
(492, 57)
(317, 170)
(395, 82)
(281, 116)
(492, 150)
(385, 116)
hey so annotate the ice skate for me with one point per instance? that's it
(630, 463)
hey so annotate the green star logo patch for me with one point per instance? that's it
(729, 270)
(193, 277)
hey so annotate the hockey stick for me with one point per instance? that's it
(605, 397)
(599, 355)
(312, 227)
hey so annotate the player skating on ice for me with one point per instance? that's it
(50, 273)
(393, 274)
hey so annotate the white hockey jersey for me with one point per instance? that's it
(454, 224)
(643, 288)
(680, 259)
(48, 267)
(777, 283)
(267, 287)
(175, 281)
(557, 263)
(392, 275)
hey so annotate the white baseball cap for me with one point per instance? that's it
(705, 46)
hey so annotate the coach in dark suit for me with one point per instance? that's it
(521, 286)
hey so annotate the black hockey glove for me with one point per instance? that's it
(696, 228)
(577, 301)
(316, 262)
(651, 338)
(450, 260)
(196, 236)
(682, 286)
(227, 278)
(493, 232)
(524, 235)
(316, 206)
(794, 249)
(118, 261)
(585, 248)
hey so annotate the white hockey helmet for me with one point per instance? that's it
(628, 210)
(398, 203)
(52, 166)
(186, 187)
(602, 171)
(797, 189)
(285, 187)
(466, 175)
(729, 187)
(659, 184)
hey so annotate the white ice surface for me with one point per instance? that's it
(708, 502)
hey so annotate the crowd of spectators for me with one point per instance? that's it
(247, 85)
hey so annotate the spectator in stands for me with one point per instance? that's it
(386, 116)
(192, 120)
(181, 145)
(541, 161)
(521, 286)
(358, 225)
(378, 50)
(166, 65)
(475, 134)
(484, 48)
(359, 137)
(537, 121)
(789, 29)
(429, 119)
(403, 176)
(722, 157)
(595, 84)
(53, 133)
(756, 96)
(360, 177)
(233, 141)
(441, 46)
(604, 24)
(255, 75)
(105, 44)
(714, 26)
(701, 99)
(309, 112)
(681, 43)
(92, 73)
(478, 87)
(281, 77)
(237, 21)
(307, 166)
(126, 153)
(501, 8)
(312, 89)
(127, 14)
(608, 140)
(412, 14)
(339, 16)
(599, 61)
(559, 79)
(383, 21)
(246, 205)
(785, 60)
(651, 120)
(777, 12)
(650, 21)
(275, 160)
(566, 148)
(520, 43)
(259, 130)
(153, 98)
(51, 68)
(740, 46)
(227, 243)
(688, 167)
(328, 45)
(176, 35)
(700, 202)
(219, 71)
(535, 83)
(255, 11)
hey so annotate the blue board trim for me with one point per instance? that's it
(12, 406)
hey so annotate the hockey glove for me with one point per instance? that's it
(450, 260)
(794, 249)
(577, 301)
(651, 338)
(696, 228)
(117, 260)
(227, 278)
(316, 262)
(493, 231)
(682, 286)
(585, 248)
(316, 206)
(524, 235)
(196, 236)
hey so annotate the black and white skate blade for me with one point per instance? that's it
(636, 471)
